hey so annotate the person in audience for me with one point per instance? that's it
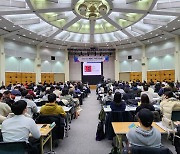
(57, 91)
(19, 127)
(150, 94)
(4, 108)
(31, 106)
(65, 96)
(109, 97)
(167, 105)
(118, 104)
(52, 108)
(16, 91)
(145, 103)
(2, 89)
(145, 134)
(45, 97)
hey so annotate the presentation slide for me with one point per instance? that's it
(90, 68)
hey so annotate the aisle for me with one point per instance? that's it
(81, 138)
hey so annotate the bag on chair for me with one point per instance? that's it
(100, 135)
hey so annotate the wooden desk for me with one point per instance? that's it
(121, 128)
(46, 135)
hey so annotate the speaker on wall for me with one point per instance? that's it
(53, 58)
(130, 57)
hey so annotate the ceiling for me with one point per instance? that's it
(58, 24)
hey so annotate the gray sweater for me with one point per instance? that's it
(139, 137)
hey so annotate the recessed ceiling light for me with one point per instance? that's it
(151, 42)
(14, 26)
(24, 35)
(33, 41)
(47, 46)
(148, 41)
(19, 37)
(36, 38)
(174, 28)
(151, 33)
(160, 36)
(14, 39)
(157, 34)
(30, 33)
(178, 20)
(4, 27)
(0, 19)
(166, 27)
(144, 38)
(165, 38)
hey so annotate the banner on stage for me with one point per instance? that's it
(91, 58)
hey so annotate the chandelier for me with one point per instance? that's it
(92, 9)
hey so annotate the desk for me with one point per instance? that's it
(107, 108)
(121, 128)
(46, 135)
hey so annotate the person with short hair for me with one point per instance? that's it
(145, 103)
(52, 108)
(19, 127)
(31, 106)
(109, 96)
(118, 104)
(147, 92)
(145, 134)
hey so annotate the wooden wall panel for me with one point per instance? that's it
(47, 77)
(134, 76)
(163, 75)
(59, 77)
(19, 77)
(124, 76)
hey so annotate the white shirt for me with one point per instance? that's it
(18, 128)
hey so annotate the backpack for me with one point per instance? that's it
(102, 115)
(100, 132)
(115, 150)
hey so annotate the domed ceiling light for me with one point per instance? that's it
(92, 9)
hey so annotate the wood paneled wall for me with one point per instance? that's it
(19, 77)
(164, 75)
(48, 77)
(134, 76)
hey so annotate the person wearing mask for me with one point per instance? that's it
(145, 103)
(19, 127)
(52, 108)
(145, 134)
(118, 104)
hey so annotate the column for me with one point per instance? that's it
(2, 62)
(177, 58)
(66, 66)
(116, 65)
(144, 64)
(38, 65)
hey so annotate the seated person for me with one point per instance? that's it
(145, 134)
(167, 105)
(19, 127)
(118, 104)
(65, 96)
(52, 108)
(31, 106)
(147, 92)
(109, 97)
(4, 108)
(145, 103)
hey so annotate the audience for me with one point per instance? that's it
(109, 97)
(145, 134)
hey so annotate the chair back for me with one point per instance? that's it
(108, 102)
(58, 131)
(149, 150)
(175, 116)
(12, 147)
